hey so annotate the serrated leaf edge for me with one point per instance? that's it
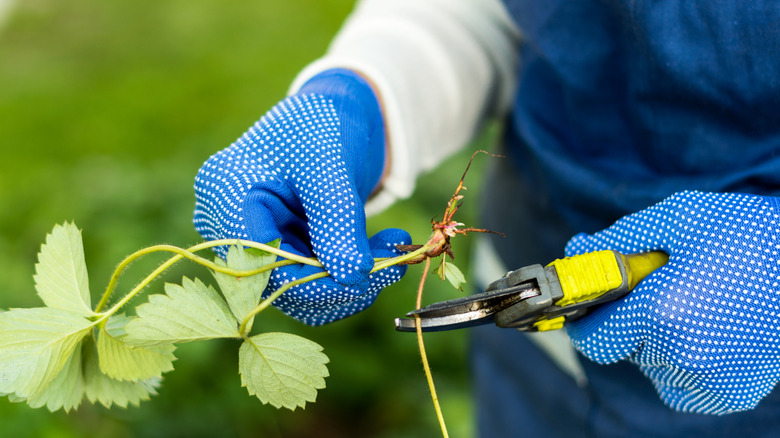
(314, 387)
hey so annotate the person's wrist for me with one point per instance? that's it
(362, 124)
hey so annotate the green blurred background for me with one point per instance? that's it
(107, 110)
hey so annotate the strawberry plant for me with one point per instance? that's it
(56, 355)
(65, 351)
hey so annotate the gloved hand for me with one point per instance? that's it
(705, 328)
(302, 173)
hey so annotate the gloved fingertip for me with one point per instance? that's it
(383, 245)
(348, 261)
(354, 276)
(386, 240)
(385, 277)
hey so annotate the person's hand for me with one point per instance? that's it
(705, 328)
(302, 174)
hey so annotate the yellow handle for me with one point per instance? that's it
(640, 265)
(586, 277)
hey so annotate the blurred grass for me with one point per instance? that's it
(107, 110)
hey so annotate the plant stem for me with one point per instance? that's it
(189, 254)
(379, 265)
(261, 246)
(386, 263)
(278, 292)
(424, 356)
(138, 254)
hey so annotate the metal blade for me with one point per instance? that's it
(451, 322)
(467, 311)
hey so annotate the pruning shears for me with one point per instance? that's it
(537, 298)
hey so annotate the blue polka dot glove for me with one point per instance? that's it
(302, 173)
(705, 328)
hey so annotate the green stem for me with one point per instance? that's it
(189, 254)
(386, 263)
(380, 263)
(311, 261)
(160, 269)
(424, 356)
(134, 256)
(276, 294)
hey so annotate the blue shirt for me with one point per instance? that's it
(622, 103)
(619, 105)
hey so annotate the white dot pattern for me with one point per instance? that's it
(704, 328)
(287, 178)
(323, 301)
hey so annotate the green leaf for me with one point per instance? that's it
(243, 293)
(451, 273)
(61, 274)
(35, 344)
(101, 388)
(66, 390)
(282, 369)
(124, 362)
(439, 270)
(190, 312)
